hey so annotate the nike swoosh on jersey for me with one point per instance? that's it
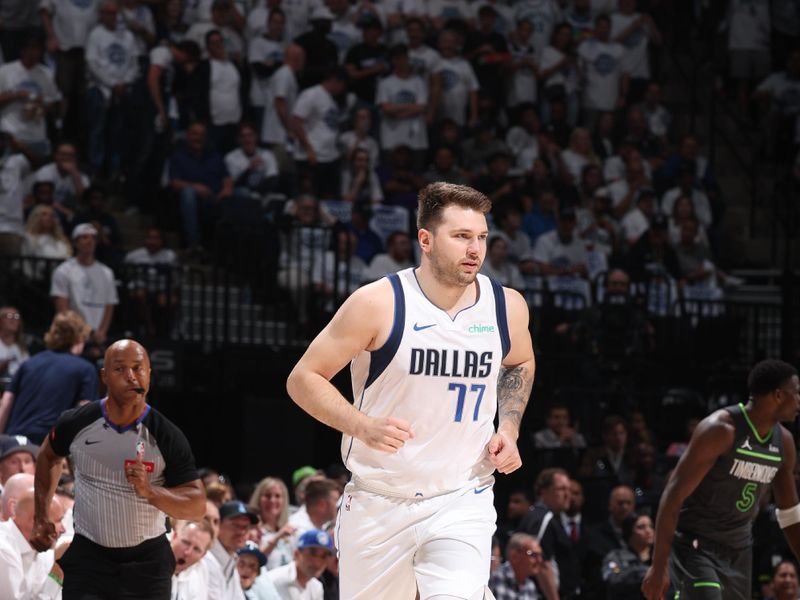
(88, 443)
(421, 327)
(481, 490)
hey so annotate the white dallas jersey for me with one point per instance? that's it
(440, 375)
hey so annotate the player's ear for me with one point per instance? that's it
(424, 237)
(103, 376)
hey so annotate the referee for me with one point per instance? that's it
(131, 466)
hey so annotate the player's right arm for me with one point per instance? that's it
(355, 327)
(712, 438)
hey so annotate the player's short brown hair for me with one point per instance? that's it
(435, 197)
(66, 330)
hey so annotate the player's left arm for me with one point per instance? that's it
(513, 385)
(783, 487)
(186, 501)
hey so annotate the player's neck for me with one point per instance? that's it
(761, 419)
(450, 299)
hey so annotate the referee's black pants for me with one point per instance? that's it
(94, 572)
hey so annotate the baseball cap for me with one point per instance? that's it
(11, 444)
(83, 229)
(236, 508)
(321, 13)
(315, 538)
(302, 473)
(252, 548)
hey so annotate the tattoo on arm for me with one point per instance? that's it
(513, 391)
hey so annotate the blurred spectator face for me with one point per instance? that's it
(219, 14)
(399, 247)
(688, 149)
(233, 532)
(30, 54)
(85, 245)
(548, 203)
(307, 211)
(643, 534)
(558, 419)
(530, 120)
(518, 505)
(337, 7)
(647, 204)
(524, 31)
(626, 7)
(499, 166)
(602, 29)
(605, 124)
(634, 169)
(371, 34)
(295, 57)
(173, 9)
(498, 252)
(401, 157)
(512, 221)
(616, 437)
(539, 172)
(248, 140)
(276, 25)
(784, 582)
(311, 561)
(658, 236)
(620, 503)
(556, 497)
(652, 95)
(592, 178)
(486, 20)
(248, 567)
(19, 462)
(65, 156)
(107, 15)
(527, 559)
(617, 282)
(566, 229)
(562, 37)
(448, 43)
(45, 220)
(360, 161)
(189, 546)
(443, 160)
(688, 233)
(683, 209)
(215, 45)
(416, 34)
(153, 240)
(637, 124)
(576, 498)
(347, 244)
(196, 138)
(601, 204)
(363, 121)
(43, 192)
(645, 456)
(271, 502)
(96, 200)
(212, 515)
(10, 320)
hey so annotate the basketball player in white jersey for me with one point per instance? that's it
(435, 353)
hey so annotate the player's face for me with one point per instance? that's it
(457, 246)
(189, 546)
(789, 396)
(126, 369)
(248, 568)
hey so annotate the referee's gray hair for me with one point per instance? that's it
(516, 541)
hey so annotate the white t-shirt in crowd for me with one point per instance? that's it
(522, 84)
(64, 191)
(191, 583)
(263, 50)
(282, 84)
(224, 101)
(458, 80)
(543, 15)
(784, 91)
(383, 264)
(634, 59)
(507, 274)
(14, 354)
(423, 60)
(574, 163)
(72, 21)
(518, 139)
(44, 245)
(285, 580)
(142, 256)
(111, 58)
(551, 250)
(411, 131)
(702, 206)
(348, 139)
(567, 75)
(449, 9)
(19, 117)
(237, 162)
(344, 35)
(142, 16)
(634, 224)
(748, 25)
(602, 67)
(88, 289)
(13, 169)
(320, 115)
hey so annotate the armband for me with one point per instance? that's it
(788, 516)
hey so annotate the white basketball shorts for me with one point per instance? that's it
(390, 547)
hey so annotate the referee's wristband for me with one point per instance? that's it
(56, 578)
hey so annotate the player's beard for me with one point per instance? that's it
(450, 274)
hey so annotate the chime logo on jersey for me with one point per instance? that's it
(450, 363)
(481, 328)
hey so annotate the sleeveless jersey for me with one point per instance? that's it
(440, 374)
(722, 508)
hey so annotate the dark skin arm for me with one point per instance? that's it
(187, 501)
(48, 471)
(785, 491)
(713, 437)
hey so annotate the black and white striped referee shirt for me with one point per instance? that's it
(107, 511)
